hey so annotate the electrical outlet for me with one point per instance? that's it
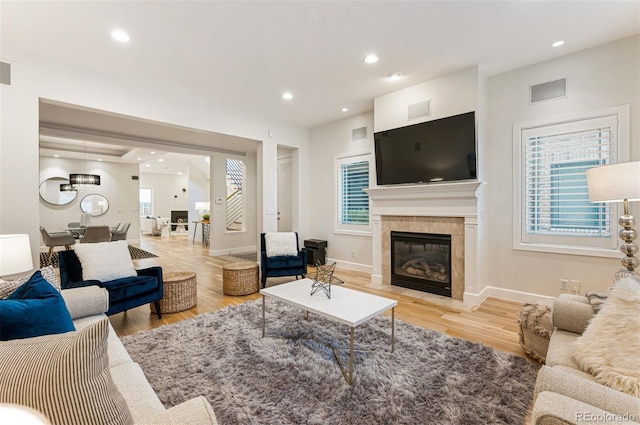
(353, 254)
(575, 286)
(564, 285)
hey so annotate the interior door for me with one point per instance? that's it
(284, 195)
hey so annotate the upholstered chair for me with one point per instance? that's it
(120, 234)
(280, 255)
(51, 240)
(95, 234)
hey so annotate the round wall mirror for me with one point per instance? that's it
(50, 191)
(94, 205)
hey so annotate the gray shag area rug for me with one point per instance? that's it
(291, 376)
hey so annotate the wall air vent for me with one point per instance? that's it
(420, 109)
(359, 133)
(550, 90)
(5, 73)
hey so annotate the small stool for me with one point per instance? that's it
(240, 278)
(180, 292)
(535, 330)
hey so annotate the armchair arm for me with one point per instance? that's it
(86, 301)
(591, 393)
(155, 271)
(82, 284)
(571, 315)
(196, 411)
(551, 409)
(303, 254)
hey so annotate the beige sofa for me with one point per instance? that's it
(87, 306)
(563, 393)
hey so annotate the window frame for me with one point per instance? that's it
(150, 189)
(349, 229)
(573, 245)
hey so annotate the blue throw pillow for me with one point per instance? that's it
(34, 309)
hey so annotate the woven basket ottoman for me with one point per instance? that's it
(535, 330)
(240, 278)
(180, 292)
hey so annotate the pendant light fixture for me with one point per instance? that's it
(83, 179)
(67, 187)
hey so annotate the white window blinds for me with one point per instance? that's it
(556, 199)
(353, 201)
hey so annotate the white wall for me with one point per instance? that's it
(597, 78)
(327, 142)
(116, 186)
(198, 192)
(38, 77)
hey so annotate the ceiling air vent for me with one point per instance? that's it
(421, 109)
(359, 133)
(5, 73)
(550, 90)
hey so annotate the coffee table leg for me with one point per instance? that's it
(351, 357)
(393, 329)
(263, 298)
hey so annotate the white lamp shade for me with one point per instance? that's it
(614, 183)
(15, 254)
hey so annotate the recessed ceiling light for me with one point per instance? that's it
(147, 165)
(56, 156)
(371, 59)
(180, 173)
(152, 152)
(394, 76)
(161, 160)
(287, 96)
(345, 109)
(120, 35)
(139, 159)
(99, 159)
(558, 43)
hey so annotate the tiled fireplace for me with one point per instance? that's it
(449, 209)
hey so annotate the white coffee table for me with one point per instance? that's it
(347, 306)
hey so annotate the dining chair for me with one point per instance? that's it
(95, 234)
(51, 240)
(120, 235)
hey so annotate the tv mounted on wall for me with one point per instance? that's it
(432, 151)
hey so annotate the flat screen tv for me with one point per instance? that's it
(432, 151)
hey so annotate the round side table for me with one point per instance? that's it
(180, 292)
(240, 278)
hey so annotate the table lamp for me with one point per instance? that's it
(615, 183)
(15, 254)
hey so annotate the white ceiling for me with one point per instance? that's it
(246, 54)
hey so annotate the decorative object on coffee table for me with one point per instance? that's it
(240, 278)
(180, 292)
(535, 330)
(324, 277)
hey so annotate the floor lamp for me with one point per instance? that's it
(615, 183)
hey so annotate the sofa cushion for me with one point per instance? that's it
(281, 243)
(282, 262)
(129, 287)
(8, 286)
(140, 397)
(66, 377)
(105, 261)
(560, 352)
(117, 353)
(609, 346)
(36, 308)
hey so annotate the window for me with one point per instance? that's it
(145, 201)
(553, 212)
(352, 212)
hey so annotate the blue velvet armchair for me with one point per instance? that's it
(282, 265)
(124, 293)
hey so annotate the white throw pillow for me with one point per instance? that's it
(281, 243)
(609, 346)
(105, 261)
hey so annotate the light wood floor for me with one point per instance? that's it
(493, 323)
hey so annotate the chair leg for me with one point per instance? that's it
(68, 247)
(264, 281)
(157, 304)
(50, 253)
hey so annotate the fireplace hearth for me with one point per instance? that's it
(421, 261)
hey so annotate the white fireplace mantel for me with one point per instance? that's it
(455, 199)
